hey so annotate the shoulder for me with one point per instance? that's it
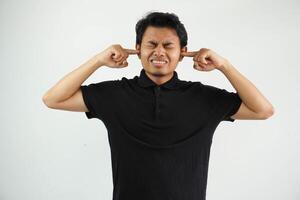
(102, 87)
(199, 86)
(187, 85)
(210, 92)
(104, 84)
(127, 80)
(114, 84)
(210, 89)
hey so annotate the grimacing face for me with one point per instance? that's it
(160, 50)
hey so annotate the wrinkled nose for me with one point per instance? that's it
(159, 51)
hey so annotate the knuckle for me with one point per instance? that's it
(203, 50)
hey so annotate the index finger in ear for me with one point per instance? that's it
(189, 54)
(132, 51)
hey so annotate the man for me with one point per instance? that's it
(160, 128)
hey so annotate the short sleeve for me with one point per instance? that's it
(225, 103)
(229, 103)
(99, 98)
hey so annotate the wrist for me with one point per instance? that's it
(225, 66)
(97, 60)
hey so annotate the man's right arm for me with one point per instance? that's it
(66, 94)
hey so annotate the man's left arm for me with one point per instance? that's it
(254, 105)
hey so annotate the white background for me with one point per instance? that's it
(49, 154)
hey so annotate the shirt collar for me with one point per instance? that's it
(145, 81)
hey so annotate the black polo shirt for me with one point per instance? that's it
(159, 135)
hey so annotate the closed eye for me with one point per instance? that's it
(169, 46)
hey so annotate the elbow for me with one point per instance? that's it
(46, 101)
(268, 113)
(44, 98)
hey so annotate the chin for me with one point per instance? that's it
(158, 71)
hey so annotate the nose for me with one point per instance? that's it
(159, 50)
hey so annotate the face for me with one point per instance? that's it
(160, 51)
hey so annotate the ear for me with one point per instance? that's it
(138, 47)
(183, 49)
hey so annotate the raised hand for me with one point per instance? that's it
(115, 56)
(206, 59)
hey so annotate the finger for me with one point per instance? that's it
(199, 66)
(189, 54)
(196, 58)
(202, 59)
(119, 63)
(199, 59)
(122, 62)
(196, 66)
(115, 56)
(132, 51)
(119, 58)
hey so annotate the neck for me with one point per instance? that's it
(159, 79)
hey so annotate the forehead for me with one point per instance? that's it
(160, 34)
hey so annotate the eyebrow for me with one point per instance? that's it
(154, 42)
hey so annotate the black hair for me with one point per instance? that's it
(160, 19)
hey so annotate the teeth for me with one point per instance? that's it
(158, 62)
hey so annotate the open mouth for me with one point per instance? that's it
(158, 62)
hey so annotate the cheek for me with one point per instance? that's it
(174, 56)
(145, 55)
